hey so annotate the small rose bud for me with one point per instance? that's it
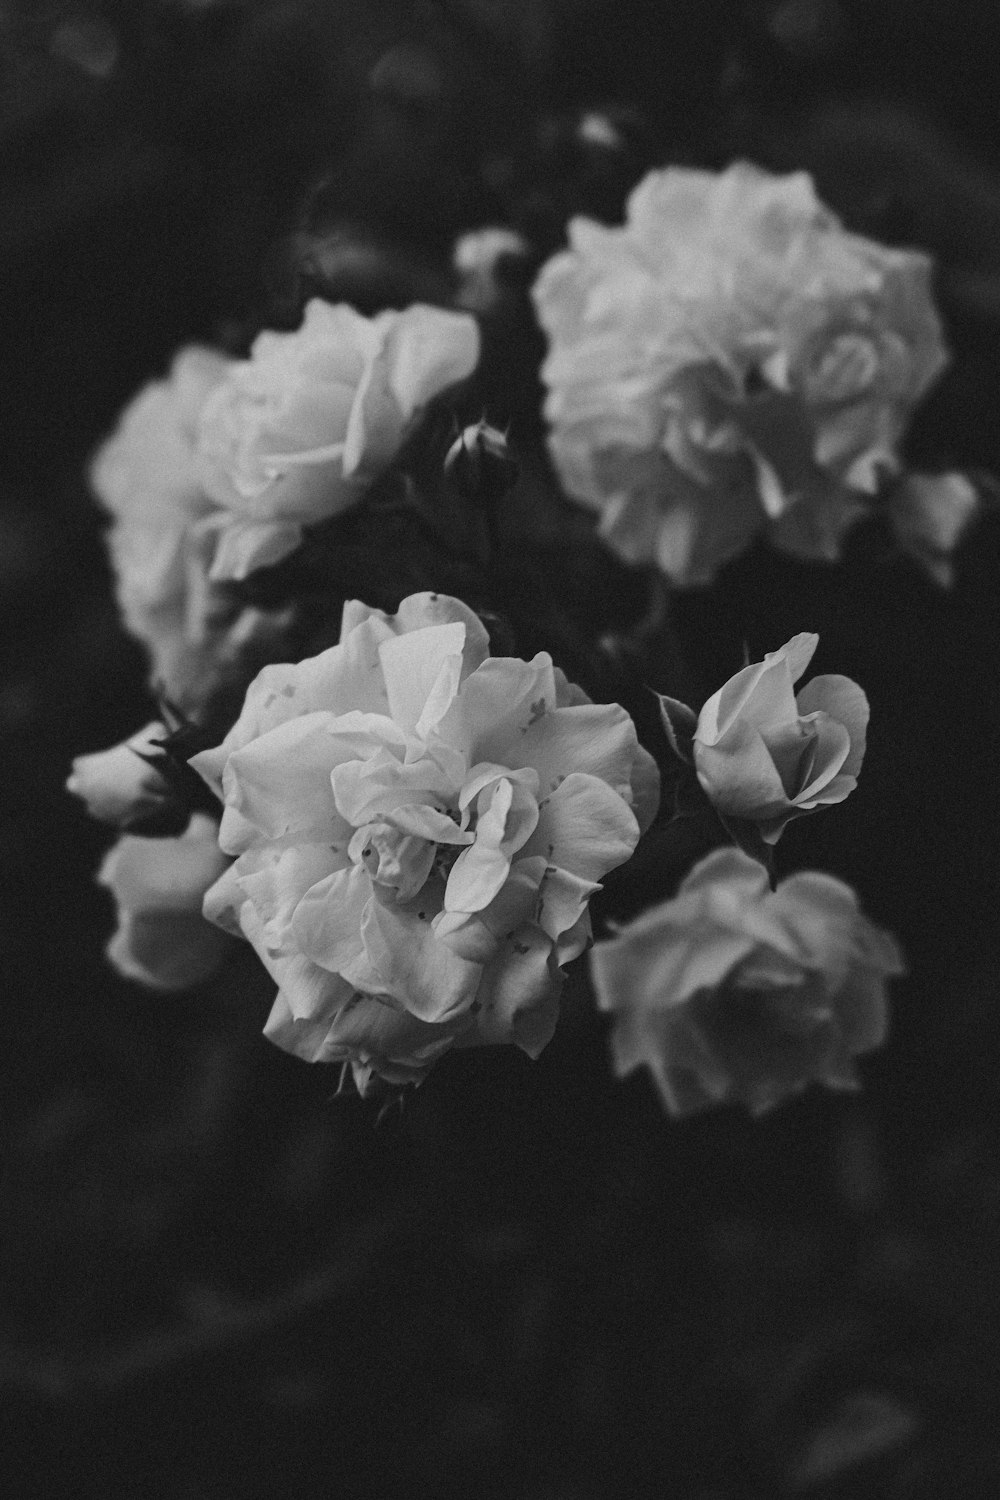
(597, 129)
(489, 262)
(122, 787)
(478, 464)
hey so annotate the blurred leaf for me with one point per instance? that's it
(863, 1427)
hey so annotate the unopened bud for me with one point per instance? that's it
(489, 262)
(478, 464)
(124, 787)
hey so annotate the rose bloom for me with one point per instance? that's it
(418, 828)
(764, 753)
(730, 359)
(162, 940)
(297, 432)
(144, 476)
(733, 993)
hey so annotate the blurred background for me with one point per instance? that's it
(222, 1282)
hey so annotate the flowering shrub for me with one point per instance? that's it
(418, 828)
(730, 359)
(295, 433)
(412, 829)
(733, 993)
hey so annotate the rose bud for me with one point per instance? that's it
(766, 754)
(123, 787)
(478, 464)
(489, 263)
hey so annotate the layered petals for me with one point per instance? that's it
(735, 993)
(766, 754)
(730, 361)
(420, 827)
(296, 432)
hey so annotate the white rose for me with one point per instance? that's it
(144, 475)
(733, 993)
(296, 433)
(421, 825)
(768, 754)
(730, 359)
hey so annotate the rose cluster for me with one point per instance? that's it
(407, 829)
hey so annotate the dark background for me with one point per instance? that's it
(219, 1281)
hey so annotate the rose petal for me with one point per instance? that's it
(845, 702)
(584, 827)
(425, 975)
(327, 921)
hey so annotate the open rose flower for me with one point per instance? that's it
(732, 993)
(162, 939)
(418, 828)
(144, 476)
(730, 359)
(297, 432)
(766, 754)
